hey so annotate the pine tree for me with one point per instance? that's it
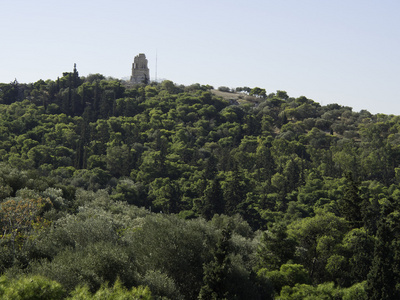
(275, 248)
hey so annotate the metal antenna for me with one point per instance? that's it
(156, 65)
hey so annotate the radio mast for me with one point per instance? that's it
(156, 67)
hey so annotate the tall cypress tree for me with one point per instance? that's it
(212, 201)
(174, 203)
(75, 78)
(216, 272)
(210, 169)
(350, 204)
(381, 282)
(234, 192)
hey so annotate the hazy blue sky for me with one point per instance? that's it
(345, 52)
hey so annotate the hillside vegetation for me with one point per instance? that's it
(174, 192)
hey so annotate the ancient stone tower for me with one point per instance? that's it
(140, 70)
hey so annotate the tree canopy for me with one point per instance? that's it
(179, 193)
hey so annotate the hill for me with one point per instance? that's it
(181, 189)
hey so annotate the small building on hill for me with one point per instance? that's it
(140, 70)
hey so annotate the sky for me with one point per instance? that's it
(341, 51)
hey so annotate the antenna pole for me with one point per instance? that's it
(156, 65)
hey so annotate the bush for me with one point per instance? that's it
(161, 285)
(356, 291)
(305, 291)
(30, 287)
(106, 263)
(224, 89)
(288, 275)
(117, 291)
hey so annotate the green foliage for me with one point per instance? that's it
(224, 89)
(356, 291)
(276, 248)
(303, 291)
(161, 286)
(381, 282)
(303, 187)
(216, 272)
(317, 238)
(105, 263)
(258, 92)
(358, 246)
(174, 247)
(30, 288)
(117, 291)
(323, 291)
(350, 204)
(288, 275)
(212, 201)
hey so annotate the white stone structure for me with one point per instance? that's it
(140, 70)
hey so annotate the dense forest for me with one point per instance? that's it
(111, 190)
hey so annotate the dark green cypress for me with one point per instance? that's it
(381, 281)
(350, 204)
(216, 272)
(212, 200)
(234, 192)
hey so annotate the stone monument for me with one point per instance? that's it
(140, 70)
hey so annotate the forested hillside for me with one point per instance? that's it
(164, 191)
